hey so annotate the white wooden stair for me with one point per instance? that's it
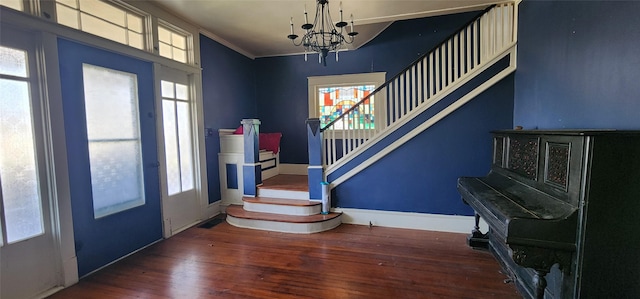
(282, 205)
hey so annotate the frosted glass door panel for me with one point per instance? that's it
(113, 133)
(184, 134)
(19, 182)
(177, 137)
(171, 146)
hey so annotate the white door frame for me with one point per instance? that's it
(194, 212)
(53, 171)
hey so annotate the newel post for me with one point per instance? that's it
(316, 175)
(251, 169)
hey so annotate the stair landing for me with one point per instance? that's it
(282, 205)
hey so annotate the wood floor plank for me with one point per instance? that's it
(347, 262)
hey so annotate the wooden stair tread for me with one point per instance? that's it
(239, 212)
(289, 182)
(281, 201)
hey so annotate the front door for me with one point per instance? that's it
(29, 263)
(181, 205)
(109, 115)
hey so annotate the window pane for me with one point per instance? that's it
(179, 55)
(104, 11)
(99, 27)
(13, 62)
(112, 112)
(167, 89)
(115, 157)
(164, 35)
(67, 16)
(18, 172)
(70, 3)
(179, 41)
(135, 40)
(134, 23)
(165, 51)
(184, 133)
(182, 92)
(116, 176)
(171, 147)
(15, 4)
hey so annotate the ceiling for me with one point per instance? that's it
(259, 28)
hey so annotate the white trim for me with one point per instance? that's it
(315, 167)
(431, 121)
(409, 220)
(227, 44)
(295, 169)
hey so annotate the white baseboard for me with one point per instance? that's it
(422, 221)
(297, 169)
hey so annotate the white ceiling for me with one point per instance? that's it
(259, 28)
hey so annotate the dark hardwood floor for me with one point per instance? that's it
(348, 262)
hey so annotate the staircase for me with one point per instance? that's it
(282, 205)
(478, 55)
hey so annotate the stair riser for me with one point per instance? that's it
(283, 209)
(285, 227)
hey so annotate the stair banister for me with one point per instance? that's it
(423, 56)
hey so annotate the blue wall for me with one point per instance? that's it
(282, 81)
(578, 65)
(228, 88)
(421, 175)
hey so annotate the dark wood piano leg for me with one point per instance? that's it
(478, 240)
(541, 283)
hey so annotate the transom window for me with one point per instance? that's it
(330, 96)
(107, 20)
(172, 43)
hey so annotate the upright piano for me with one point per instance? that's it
(563, 210)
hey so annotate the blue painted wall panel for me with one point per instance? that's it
(578, 65)
(421, 175)
(228, 87)
(282, 81)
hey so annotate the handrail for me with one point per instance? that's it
(416, 61)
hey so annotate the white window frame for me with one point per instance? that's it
(146, 28)
(376, 79)
(189, 55)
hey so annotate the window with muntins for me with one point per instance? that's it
(172, 43)
(177, 137)
(106, 19)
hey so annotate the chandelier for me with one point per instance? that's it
(323, 36)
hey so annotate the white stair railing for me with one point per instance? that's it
(429, 79)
